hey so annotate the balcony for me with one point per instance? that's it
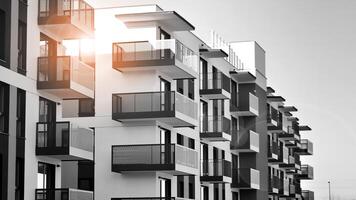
(248, 105)
(215, 128)
(174, 159)
(63, 194)
(293, 144)
(64, 141)
(307, 172)
(308, 195)
(290, 135)
(306, 148)
(285, 187)
(274, 185)
(245, 178)
(148, 198)
(66, 19)
(273, 153)
(246, 142)
(65, 77)
(292, 166)
(274, 121)
(215, 86)
(215, 171)
(170, 57)
(169, 107)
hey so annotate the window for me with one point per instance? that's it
(191, 187)
(2, 34)
(191, 143)
(191, 88)
(4, 108)
(180, 139)
(47, 110)
(180, 186)
(19, 179)
(86, 107)
(22, 35)
(180, 86)
(20, 113)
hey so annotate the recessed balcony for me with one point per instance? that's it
(215, 171)
(64, 141)
(307, 172)
(274, 185)
(248, 105)
(63, 194)
(215, 128)
(245, 178)
(214, 86)
(169, 107)
(170, 57)
(172, 158)
(273, 153)
(306, 147)
(308, 195)
(246, 142)
(65, 77)
(292, 166)
(66, 19)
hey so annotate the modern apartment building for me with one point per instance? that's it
(128, 103)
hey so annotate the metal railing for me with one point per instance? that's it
(154, 51)
(214, 123)
(153, 154)
(63, 135)
(65, 68)
(63, 194)
(216, 80)
(154, 102)
(78, 10)
(216, 168)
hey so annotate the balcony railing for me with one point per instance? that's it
(147, 105)
(273, 151)
(214, 127)
(308, 195)
(60, 138)
(215, 85)
(274, 184)
(65, 72)
(76, 13)
(128, 55)
(63, 194)
(152, 157)
(245, 178)
(215, 168)
(247, 141)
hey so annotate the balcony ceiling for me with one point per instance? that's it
(169, 19)
(270, 90)
(213, 53)
(288, 108)
(304, 128)
(275, 99)
(243, 76)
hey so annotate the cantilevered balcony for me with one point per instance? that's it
(274, 184)
(174, 159)
(248, 105)
(274, 120)
(293, 144)
(307, 172)
(245, 178)
(65, 77)
(64, 141)
(215, 128)
(307, 195)
(273, 153)
(167, 56)
(215, 86)
(247, 141)
(169, 107)
(215, 171)
(306, 147)
(63, 194)
(290, 135)
(66, 19)
(292, 166)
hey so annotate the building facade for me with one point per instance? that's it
(128, 103)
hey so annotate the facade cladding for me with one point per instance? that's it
(152, 112)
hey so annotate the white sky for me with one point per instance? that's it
(311, 60)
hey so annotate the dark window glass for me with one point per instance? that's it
(22, 47)
(180, 186)
(2, 34)
(191, 88)
(47, 110)
(191, 143)
(180, 139)
(19, 179)
(86, 107)
(180, 86)
(4, 108)
(21, 113)
(191, 187)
